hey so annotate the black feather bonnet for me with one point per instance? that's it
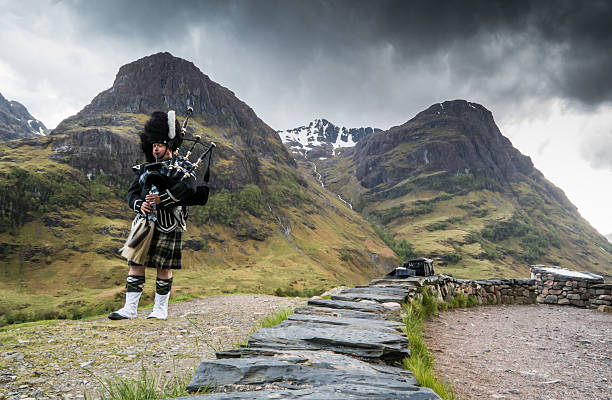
(158, 130)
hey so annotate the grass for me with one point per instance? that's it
(275, 319)
(291, 292)
(147, 386)
(421, 360)
(72, 272)
(268, 322)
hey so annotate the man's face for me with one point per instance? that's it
(161, 151)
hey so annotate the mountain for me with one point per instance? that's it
(321, 138)
(162, 82)
(268, 226)
(17, 123)
(609, 237)
(448, 185)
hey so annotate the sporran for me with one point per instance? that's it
(138, 242)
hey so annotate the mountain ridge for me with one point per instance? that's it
(449, 183)
(16, 122)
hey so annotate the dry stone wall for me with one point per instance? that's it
(549, 285)
(566, 287)
(489, 291)
(601, 297)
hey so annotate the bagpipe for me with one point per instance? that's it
(166, 174)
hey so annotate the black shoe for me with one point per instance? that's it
(116, 316)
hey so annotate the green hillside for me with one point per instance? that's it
(61, 232)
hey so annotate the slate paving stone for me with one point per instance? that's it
(342, 313)
(373, 293)
(329, 349)
(408, 282)
(349, 305)
(347, 321)
(381, 290)
(243, 352)
(411, 289)
(331, 392)
(309, 374)
(368, 296)
(356, 341)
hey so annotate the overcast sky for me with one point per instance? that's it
(542, 67)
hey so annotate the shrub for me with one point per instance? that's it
(452, 258)
(26, 191)
(533, 241)
(403, 249)
(250, 199)
(291, 292)
(437, 226)
(344, 254)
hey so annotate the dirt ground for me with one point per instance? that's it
(534, 352)
(494, 352)
(69, 359)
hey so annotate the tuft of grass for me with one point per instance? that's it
(268, 322)
(275, 319)
(147, 386)
(421, 360)
(472, 301)
(425, 377)
(429, 304)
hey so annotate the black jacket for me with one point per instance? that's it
(172, 194)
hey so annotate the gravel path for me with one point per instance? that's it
(69, 358)
(524, 352)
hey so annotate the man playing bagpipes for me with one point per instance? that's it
(159, 194)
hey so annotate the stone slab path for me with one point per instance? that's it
(345, 348)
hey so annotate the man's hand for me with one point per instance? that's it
(145, 208)
(153, 198)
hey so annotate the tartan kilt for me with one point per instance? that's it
(165, 250)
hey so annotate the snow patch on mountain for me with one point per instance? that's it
(321, 132)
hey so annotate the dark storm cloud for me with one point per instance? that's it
(580, 33)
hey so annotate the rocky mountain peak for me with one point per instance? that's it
(321, 138)
(468, 112)
(102, 136)
(160, 82)
(455, 137)
(16, 122)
